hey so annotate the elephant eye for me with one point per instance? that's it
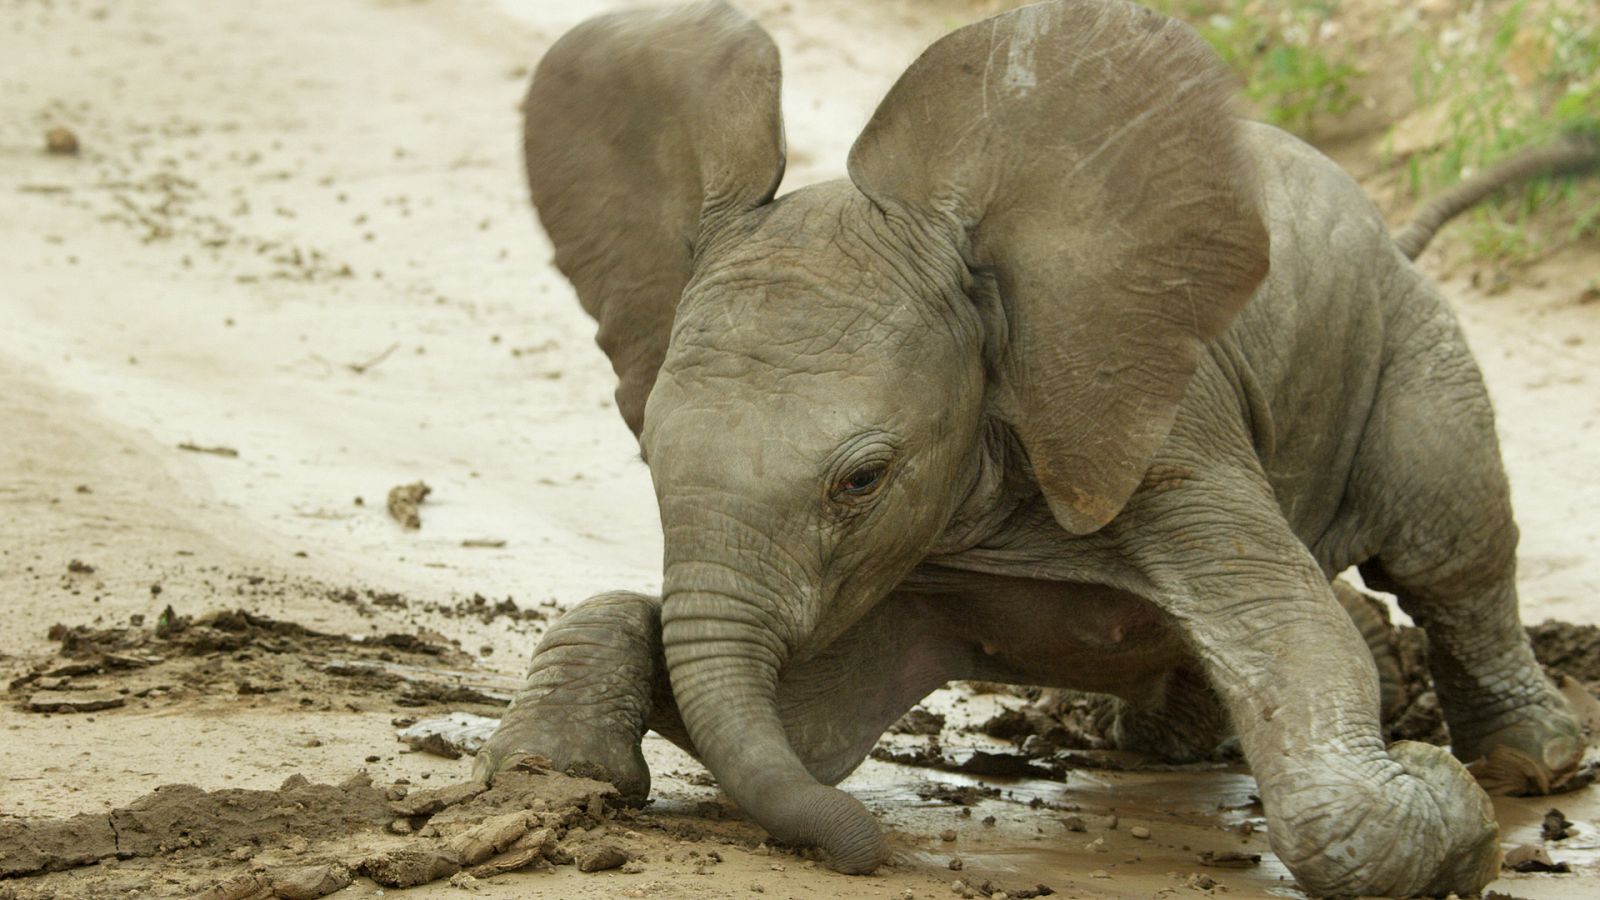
(862, 481)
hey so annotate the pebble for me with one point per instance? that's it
(947, 835)
(1074, 823)
(956, 864)
(1098, 845)
(61, 142)
(1140, 832)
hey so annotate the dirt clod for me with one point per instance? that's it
(410, 867)
(919, 721)
(1531, 858)
(434, 800)
(61, 141)
(600, 858)
(404, 501)
(211, 450)
(308, 882)
(1555, 827)
(1229, 859)
(74, 701)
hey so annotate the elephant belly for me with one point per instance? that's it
(1059, 634)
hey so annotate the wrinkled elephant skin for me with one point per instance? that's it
(1078, 380)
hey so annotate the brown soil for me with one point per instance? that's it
(177, 659)
(306, 839)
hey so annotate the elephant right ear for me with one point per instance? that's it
(1085, 153)
(645, 132)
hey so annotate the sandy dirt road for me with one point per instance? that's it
(298, 230)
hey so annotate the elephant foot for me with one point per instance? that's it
(1531, 751)
(1426, 830)
(577, 748)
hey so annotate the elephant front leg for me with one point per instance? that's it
(1346, 815)
(593, 687)
(598, 681)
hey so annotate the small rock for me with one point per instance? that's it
(404, 500)
(1074, 823)
(1140, 832)
(61, 141)
(1528, 858)
(600, 857)
(956, 864)
(1099, 873)
(1098, 845)
(947, 835)
(1229, 859)
(1199, 882)
(75, 701)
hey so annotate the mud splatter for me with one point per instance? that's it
(307, 840)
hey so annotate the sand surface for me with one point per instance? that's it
(298, 231)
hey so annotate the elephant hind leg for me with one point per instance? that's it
(1432, 494)
(1372, 620)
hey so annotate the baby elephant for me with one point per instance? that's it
(1079, 380)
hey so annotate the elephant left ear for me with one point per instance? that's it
(1085, 152)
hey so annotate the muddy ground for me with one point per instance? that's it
(290, 267)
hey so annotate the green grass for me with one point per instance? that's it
(1504, 75)
(1507, 74)
(1295, 77)
(1528, 72)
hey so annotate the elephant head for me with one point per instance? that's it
(1046, 218)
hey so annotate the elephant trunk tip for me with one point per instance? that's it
(838, 824)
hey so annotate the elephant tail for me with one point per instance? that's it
(1571, 154)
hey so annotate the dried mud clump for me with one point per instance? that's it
(919, 721)
(1570, 649)
(237, 652)
(307, 840)
(1063, 729)
(181, 817)
(60, 141)
(404, 500)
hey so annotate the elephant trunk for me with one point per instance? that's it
(724, 657)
